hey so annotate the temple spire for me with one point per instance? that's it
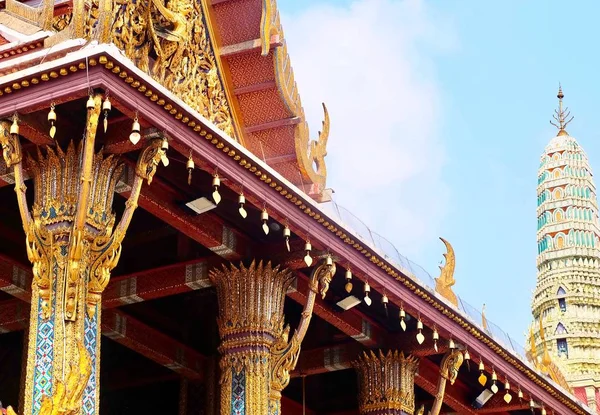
(562, 116)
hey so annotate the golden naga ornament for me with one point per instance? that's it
(449, 370)
(66, 399)
(444, 283)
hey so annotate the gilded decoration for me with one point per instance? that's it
(310, 153)
(445, 282)
(68, 394)
(171, 42)
(73, 244)
(167, 39)
(386, 382)
(544, 363)
(297, 201)
(449, 369)
(256, 352)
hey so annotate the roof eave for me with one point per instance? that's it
(291, 204)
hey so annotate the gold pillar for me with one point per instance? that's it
(256, 356)
(386, 383)
(73, 245)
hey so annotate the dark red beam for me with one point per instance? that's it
(152, 344)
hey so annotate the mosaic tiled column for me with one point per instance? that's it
(256, 355)
(386, 383)
(73, 245)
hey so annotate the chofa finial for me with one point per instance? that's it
(561, 116)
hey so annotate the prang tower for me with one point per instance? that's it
(566, 301)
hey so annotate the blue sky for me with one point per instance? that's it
(440, 113)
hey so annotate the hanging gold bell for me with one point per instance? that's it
(402, 319)
(367, 290)
(14, 128)
(241, 203)
(264, 217)
(348, 276)
(164, 147)
(420, 336)
(52, 120)
(216, 182)
(135, 136)
(190, 168)
(286, 234)
(90, 103)
(307, 258)
(106, 107)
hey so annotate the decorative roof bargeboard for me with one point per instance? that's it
(110, 70)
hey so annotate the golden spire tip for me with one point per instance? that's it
(562, 116)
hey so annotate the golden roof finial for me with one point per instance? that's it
(562, 116)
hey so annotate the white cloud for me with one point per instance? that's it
(371, 63)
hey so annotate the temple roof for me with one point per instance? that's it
(90, 65)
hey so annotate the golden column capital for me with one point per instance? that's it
(73, 241)
(386, 383)
(256, 351)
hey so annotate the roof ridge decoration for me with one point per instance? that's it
(545, 364)
(310, 153)
(444, 283)
(169, 42)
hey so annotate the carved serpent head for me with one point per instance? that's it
(451, 365)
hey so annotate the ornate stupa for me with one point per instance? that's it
(565, 335)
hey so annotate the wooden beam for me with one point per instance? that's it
(254, 88)
(14, 316)
(351, 322)
(157, 283)
(327, 359)
(207, 229)
(248, 46)
(152, 344)
(284, 122)
(427, 378)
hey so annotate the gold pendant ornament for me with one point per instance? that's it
(216, 182)
(163, 156)
(14, 128)
(494, 387)
(286, 234)
(52, 120)
(348, 276)
(264, 217)
(241, 203)
(507, 395)
(307, 258)
(106, 107)
(367, 290)
(190, 168)
(482, 377)
(436, 337)
(385, 300)
(135, 136)
(402, 319)
(420, 336)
